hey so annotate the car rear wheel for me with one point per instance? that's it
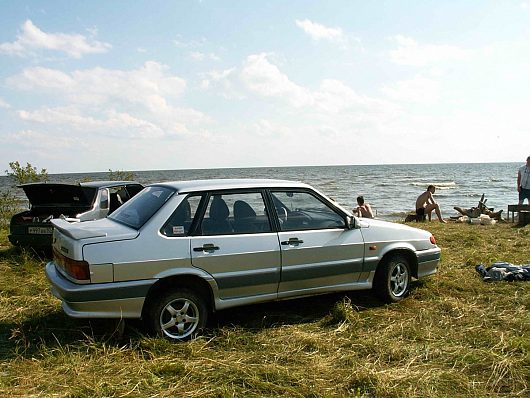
(178, 315)
(392, 278)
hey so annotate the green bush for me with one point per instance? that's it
(9, 205)
(26, 174)
(121, 175)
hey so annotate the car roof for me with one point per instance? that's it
(90, 184)
(236, 183)
(108, 184)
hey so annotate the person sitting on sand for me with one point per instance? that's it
(425, 204)
(363, 209)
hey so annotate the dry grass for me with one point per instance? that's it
(454, 336)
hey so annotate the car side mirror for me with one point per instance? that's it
(350, 222)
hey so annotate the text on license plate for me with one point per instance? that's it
(40, 230)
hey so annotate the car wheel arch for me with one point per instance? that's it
(393, 276)
(189, 282)
(408, 254)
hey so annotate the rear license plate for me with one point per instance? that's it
(40, 230)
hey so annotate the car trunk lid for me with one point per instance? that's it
(64, 196)
(103, 228)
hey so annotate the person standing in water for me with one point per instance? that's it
(425, 204)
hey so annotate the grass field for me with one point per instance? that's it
(454, 336)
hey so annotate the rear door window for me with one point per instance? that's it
(235, 213)
(180, 222)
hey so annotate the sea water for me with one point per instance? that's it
(390, 189)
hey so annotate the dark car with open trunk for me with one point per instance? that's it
(72, 202)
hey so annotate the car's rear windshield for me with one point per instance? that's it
(142, 207)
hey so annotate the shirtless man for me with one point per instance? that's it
(363, 209)
(425, 204)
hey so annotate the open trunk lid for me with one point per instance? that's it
(59, 195)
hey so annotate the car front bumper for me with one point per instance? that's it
(428, 261)
(98, 300)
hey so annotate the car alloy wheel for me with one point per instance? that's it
(392, 278)
(179, 315)
(399, 279)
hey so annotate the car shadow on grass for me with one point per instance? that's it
(293, 311)
(56, 330)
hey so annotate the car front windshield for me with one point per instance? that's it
(142, 206)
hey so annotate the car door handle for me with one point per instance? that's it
(292, 241)
(207, 247)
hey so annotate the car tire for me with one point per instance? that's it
(178, 315)
(392, 278)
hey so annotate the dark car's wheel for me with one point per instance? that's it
(392, 278)
(178, 315)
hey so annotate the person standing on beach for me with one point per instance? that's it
(523, 182)
(363, 209)
(425, 204)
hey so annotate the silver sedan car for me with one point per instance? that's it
(178, 251)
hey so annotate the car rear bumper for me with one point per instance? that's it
(35, 241)
(99, 300)
(428, 261)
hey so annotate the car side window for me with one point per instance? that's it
(302, 211)
(104, 199)
(133, 189)
(235, 213)
(180, 221)
(118, 196)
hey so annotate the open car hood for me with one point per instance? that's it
(59, 195)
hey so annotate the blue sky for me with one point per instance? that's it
(92, 86)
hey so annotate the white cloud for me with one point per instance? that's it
(200, 56)
(34, 139)
(264, 78)
(410, 52)
(4, 105)
(266, 128)
(260, 77)
(115, 123)
(320, 32)
(420, 90)
(149, 85)
(32, 39)
(180, 42)
(225, 83)
(334, 96)
(140, 103)
(42, 79)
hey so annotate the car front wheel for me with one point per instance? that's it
(392, 279)
(178, 315)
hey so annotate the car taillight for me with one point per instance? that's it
(433, 240)
(79, 270)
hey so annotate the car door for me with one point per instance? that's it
(319, 253)
(236, 244)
